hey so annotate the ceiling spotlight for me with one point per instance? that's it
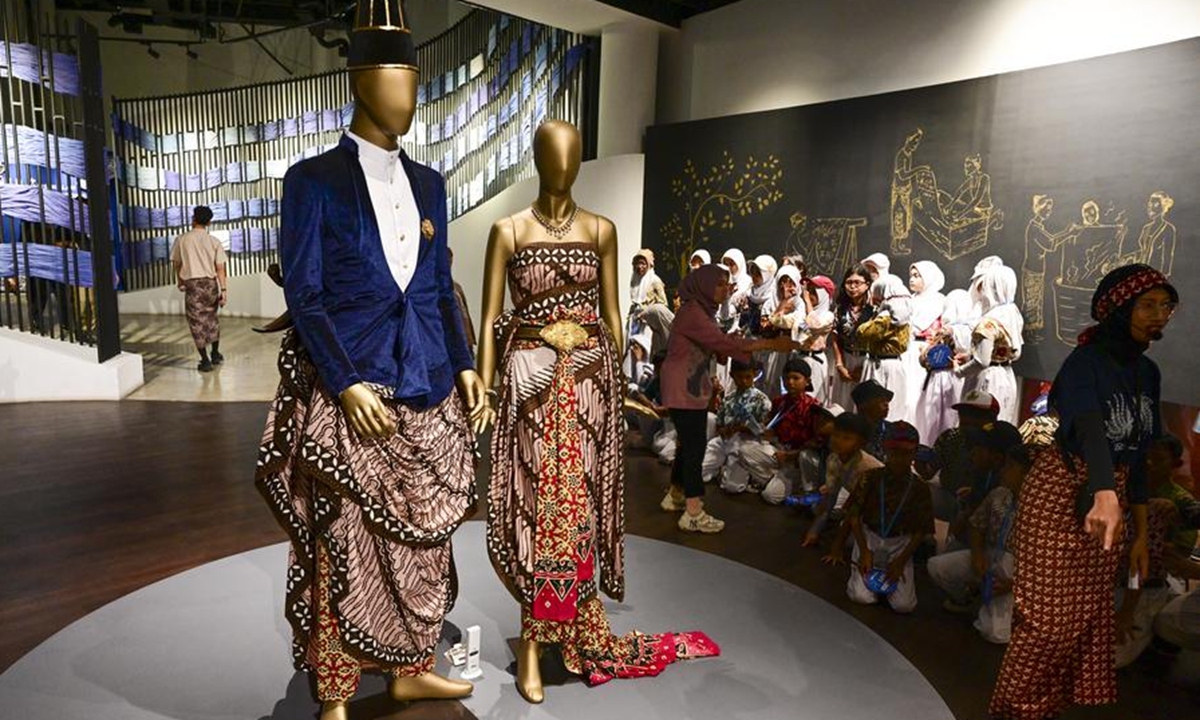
(152, 52)
(191, 53)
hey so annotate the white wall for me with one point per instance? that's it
(628, 85)
(611, 187)
(253, 296)
(766, 54)
(34, 368)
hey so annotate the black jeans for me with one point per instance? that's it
(691, 427)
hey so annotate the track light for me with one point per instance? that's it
(191, 53)
(152, 52)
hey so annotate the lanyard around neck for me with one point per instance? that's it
(886, 528)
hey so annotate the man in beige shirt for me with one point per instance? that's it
(199, 262)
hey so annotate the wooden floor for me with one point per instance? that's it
(100, 499)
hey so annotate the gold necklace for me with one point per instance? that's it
(557, 231)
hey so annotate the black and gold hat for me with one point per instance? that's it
(381, 37)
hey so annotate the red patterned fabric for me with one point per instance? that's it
(565, 535)
(590, 649)
(1063, 626)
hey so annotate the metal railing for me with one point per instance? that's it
(54, 210)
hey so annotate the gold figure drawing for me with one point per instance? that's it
(955, 224)
(1090, 247)
(828, 245)
(715, 199)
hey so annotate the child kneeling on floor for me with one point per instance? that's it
(741, 422)
(792, 428)
(844, 468)
(986, 569)
(890, 514)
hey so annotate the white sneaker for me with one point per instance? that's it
(670, 504)
(701, 523)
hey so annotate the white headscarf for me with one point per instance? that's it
(639, 287)
(705, 257)
(792, 273)
(892, 292)
(761, 293)
(995, 292)
(927, 305)
(958, 315)
(741, 278)
(880, 262)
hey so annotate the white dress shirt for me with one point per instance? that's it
(395, 208)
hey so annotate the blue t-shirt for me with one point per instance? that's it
(1126, 395)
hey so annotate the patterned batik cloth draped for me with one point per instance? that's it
(555, 499)
(1063, 626)
(201, 299)
(370, 569)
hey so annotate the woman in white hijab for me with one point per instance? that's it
(995, 341)
(762, 288)
(940, 387)
(790, 310)
(649, 313)
(698, 258)
(878, 265)
(814, 334)
(925, 280)
(885, 337)
(735, 262)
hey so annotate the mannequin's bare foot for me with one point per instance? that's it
(529, 672)
(428, 686)
(335, 710)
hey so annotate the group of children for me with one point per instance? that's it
(873, 490)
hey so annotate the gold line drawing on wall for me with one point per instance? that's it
(828, 245)
(1089, 248)
(1039, 243)
(955, 224)
(1155, 244)
(714, 199)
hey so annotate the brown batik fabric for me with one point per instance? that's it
(381, 511)
(548, 280)
(1063, 626)
(201, 299)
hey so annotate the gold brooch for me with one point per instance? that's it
(427, 229)
(564, 335)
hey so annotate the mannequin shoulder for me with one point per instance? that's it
(599, 229)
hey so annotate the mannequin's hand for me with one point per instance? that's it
(367, 413)
(474, 394)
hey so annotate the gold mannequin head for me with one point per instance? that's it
(384, 72)
(385, 101)
(557, 153)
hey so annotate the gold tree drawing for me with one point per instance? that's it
(714, 200)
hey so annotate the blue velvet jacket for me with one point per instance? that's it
(353, 319)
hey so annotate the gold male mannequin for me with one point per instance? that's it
(557, 156)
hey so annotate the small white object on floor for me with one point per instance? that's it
(473, 670)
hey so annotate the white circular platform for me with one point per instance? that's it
(212, 643)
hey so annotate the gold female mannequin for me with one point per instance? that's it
(553, 217)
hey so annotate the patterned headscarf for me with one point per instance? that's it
(700, 286)
(1117, 292)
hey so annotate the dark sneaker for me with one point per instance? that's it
(217, 358)
(205, 366)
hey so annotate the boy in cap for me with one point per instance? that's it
(872, 401)
(792, 428)
(976, 408)
(987, 446)
(890, 514)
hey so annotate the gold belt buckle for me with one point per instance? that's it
(564, 335)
